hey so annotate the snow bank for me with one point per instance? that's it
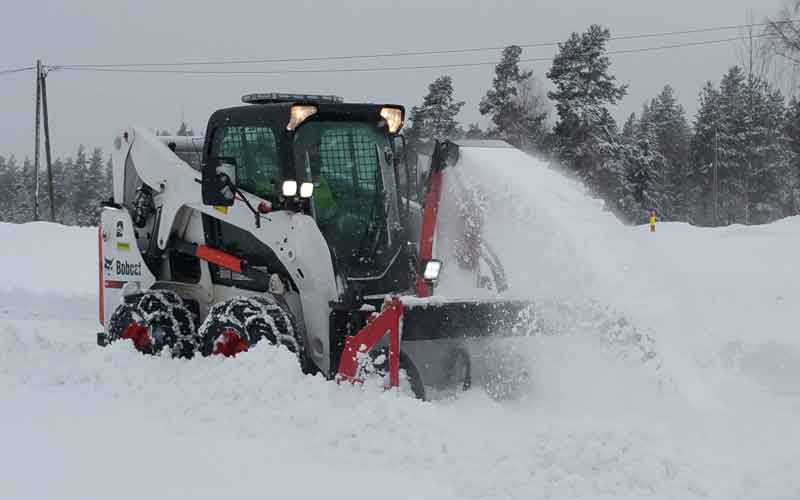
(41, 257)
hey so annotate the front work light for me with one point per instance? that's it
(289, 189)
(306, 190)
(300, 113)
(431, 270)
(393, 117)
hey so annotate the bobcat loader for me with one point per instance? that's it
(297, 219)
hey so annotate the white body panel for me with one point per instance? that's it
(295, 238)
(121, 260)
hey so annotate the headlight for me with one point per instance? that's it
(299, 113)
(289, 189)
(394, 118)
(306, 190)
(431, 270)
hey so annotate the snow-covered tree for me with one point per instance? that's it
(739, 127)
(435, 118)
(585, 134)
(645, 169)
(790, 194)
(515, 103)
(21, 207)
(672, 132)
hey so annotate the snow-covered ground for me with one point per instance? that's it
(671, 369)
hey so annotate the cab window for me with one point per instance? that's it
(256, 154)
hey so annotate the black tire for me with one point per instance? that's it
(162, 320)
(413, 376)
(412, 380)
(252, 319)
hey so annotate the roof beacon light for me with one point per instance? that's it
(275, 97)
(289, 189)
(306, 189)
(300, 112)
(393, 117)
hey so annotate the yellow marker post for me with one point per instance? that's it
(652, 221)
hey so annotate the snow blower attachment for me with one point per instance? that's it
(297, 219)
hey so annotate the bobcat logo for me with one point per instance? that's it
(108, 264)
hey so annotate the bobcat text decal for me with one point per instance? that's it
(122, 268)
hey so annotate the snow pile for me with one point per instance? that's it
(706, 297)
(41, 257)
(712, 415)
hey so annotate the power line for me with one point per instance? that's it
(16, 70)
(381, 68)
(220, 62)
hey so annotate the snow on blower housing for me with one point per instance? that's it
(298, 219)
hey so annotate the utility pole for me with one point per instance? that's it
(47, 146)
(38, 132)
(41, 111)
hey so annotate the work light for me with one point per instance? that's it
(289, 189)
(431, 270)
(393, 117)
(306, 190)
(300, 113)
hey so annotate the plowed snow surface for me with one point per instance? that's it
(672, 370)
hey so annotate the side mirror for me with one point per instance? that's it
(219, 181)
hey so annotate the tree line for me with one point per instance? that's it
(81, 183)
(738, 161)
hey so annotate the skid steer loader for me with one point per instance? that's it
(296, 219)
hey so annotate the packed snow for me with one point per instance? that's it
(669, 368)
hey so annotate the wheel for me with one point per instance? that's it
(413, 378)
(236, 324)
(410, 383)
(153, 320)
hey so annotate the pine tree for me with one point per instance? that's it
(791, 189)
(515, 104)
(767, 156)
(673, 134)
(702, 154)
(81, 191)
(740, 127)
(629, 128)
(60, 192)
(6, 183)
(585, 134)
(96, 180)
(21, 207)
(436, 117)
(645, 168)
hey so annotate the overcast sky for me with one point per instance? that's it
(90, 108)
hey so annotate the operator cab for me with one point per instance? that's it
(283, 144)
